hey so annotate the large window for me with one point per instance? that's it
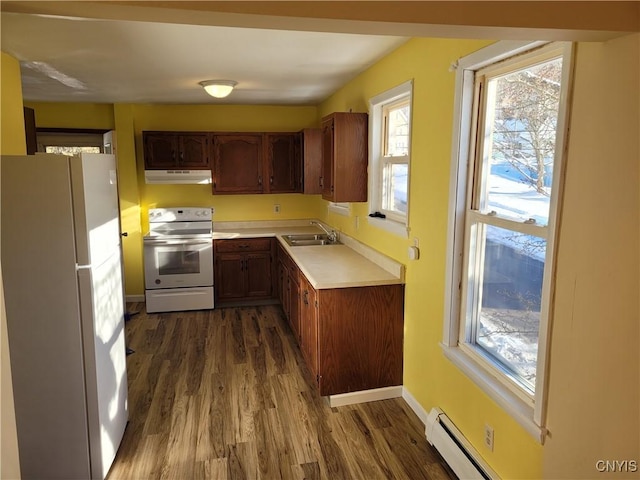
(390, 133)
(508, 181)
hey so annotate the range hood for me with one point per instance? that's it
(177, 176)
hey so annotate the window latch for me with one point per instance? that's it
(492, 213)
(531, 221)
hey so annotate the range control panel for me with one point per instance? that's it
(179, 214)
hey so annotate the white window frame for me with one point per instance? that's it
(65, 139)
(340, 208)
(394, 223)
(528, 410)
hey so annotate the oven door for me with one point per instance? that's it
(174, 263)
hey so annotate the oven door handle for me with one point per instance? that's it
(182, 241)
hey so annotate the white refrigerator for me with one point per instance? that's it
(61, 266)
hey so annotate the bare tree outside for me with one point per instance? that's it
(525, 122)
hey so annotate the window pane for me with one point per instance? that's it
(521, 119)
(394, 195)
(508, 317)
(71, 151)
(397, 141)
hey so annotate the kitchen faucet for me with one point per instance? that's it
(332, 235)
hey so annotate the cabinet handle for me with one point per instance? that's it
(271, 180)
(181, 157)
(243, 246)
(305, 297)
(260, 180)
(241, 265)
(321, 182)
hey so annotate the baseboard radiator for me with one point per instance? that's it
(456, 450)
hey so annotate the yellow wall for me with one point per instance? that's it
(12, 143)
(73, 115)
(428, 376)
(594, 399)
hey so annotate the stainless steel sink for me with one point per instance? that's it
(306, 240)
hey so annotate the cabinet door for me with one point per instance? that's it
(258, 270)
(237, 165)
(284, 161)
(327, 159)
(160, 150)
(230, 276)
(311, 148)
(283, 284)
(345, 157)
(194, 151)
(294, 300)
(309, 324)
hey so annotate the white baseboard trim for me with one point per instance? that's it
(134, 298)
(415, 406)
(364, 396)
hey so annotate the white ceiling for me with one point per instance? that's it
(115, 61)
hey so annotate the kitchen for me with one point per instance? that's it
(516, 455)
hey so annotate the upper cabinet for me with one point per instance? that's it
(311, 150)
(256, 163)
(283, 162)
(176, 150)
(237, 163)
(242, 162)
(344, 162)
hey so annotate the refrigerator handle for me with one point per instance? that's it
(82, 267)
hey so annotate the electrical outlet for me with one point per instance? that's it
(488, 437)
(276, 208)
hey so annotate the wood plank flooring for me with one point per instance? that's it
(225, 394)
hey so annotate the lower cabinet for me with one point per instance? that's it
(289, 279)
(243, 269)
(350, 338)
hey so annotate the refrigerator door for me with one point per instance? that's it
(95, 202)
(101, 308)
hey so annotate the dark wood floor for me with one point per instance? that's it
(225, 394)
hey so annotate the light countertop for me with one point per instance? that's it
(325, 266)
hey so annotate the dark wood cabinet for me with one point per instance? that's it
(350, 338)
(311, 152)
(309, 326)
(359, 338)
(243, 269)
(344, 157)
(283, 161)
(176, 150)
(237, 163)
(289, 280)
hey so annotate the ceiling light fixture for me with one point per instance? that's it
(218, 88)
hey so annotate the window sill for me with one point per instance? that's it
(519, 410)
(339, 209)
(397, 228)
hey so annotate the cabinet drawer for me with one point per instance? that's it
(243, 245)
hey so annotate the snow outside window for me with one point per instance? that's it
(390, 134)
(516, 120)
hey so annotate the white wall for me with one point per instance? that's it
(594, 401)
